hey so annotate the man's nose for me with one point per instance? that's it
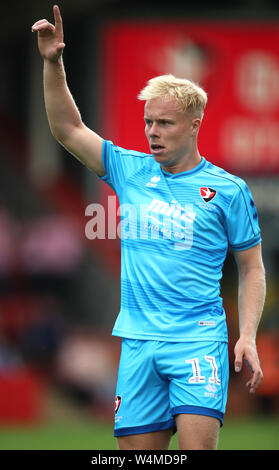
(154, 130)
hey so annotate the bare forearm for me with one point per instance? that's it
(252, 291)
(251, 301)
(62, 112)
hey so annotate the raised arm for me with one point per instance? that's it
(63, 115)
(252, 290)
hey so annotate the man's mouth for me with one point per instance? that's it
(156, 148)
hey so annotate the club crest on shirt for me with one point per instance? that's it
(117, 404)
(207, 193)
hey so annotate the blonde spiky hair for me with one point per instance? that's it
(190, 96)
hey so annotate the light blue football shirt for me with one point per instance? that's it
(175, 233)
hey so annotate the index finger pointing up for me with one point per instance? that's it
(58, 21)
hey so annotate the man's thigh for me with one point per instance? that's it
(197, 432)
(158, 440)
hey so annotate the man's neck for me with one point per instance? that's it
(184, 164)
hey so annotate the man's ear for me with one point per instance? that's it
(196, 124)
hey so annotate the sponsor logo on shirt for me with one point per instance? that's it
(171, 221)
(175, 210)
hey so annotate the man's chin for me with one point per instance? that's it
(160, 156)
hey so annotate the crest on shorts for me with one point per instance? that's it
(208, 194)
(117, 404)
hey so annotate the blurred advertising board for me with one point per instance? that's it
(237, 63)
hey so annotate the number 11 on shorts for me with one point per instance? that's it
(197, 377)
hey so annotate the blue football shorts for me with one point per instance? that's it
(158, 380)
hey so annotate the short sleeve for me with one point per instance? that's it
(242, 220)
(119, 164)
